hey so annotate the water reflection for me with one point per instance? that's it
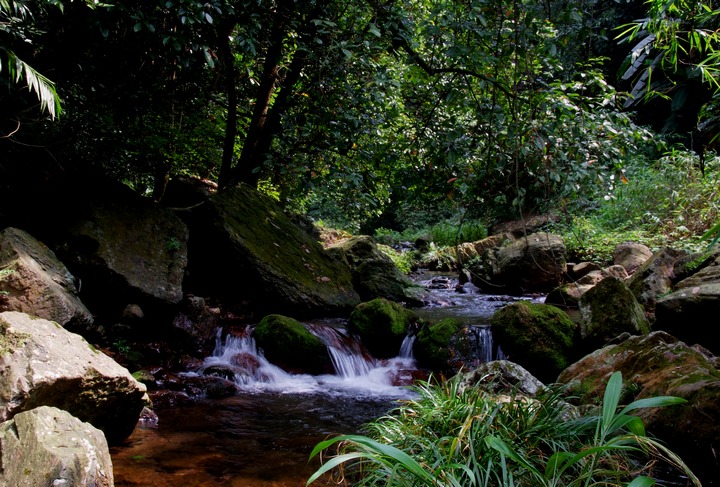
(261, 439)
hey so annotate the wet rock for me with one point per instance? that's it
(34, 281)
(46, 446)
(381, 325)
(653, 279)
(567, 296)
(432, 346)
(539, 337)
(690, 313)
(658, 364)
(289, 345)
(608, 310)
(502, 377)
(374, 274)
(245, 248)
(579, 270)
(533, 264)
(41, 364)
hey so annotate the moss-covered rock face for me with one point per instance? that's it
(381, 325)
(375, 275)
(289, 345)
(540, 337)
(658, 365)
(609, 310)
(432, 346)
(244, 248)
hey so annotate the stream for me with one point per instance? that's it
(263, 436)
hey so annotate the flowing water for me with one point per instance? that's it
(263, 436)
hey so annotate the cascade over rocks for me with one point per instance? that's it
(47, 446)
(533, 264)
(42, 364)
(36, 282)
(374, 274)
(539, 337)
(655, 365)
(244, 247)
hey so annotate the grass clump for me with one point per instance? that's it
(456, 435)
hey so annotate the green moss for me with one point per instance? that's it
(540, 337)
(432, 345)
(382, 325)
(11, 340)
(288, 344)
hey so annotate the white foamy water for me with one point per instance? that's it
(357, 373)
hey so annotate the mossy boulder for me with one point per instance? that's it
(381, 325)
(608, 310)
(536, 263)
(289, 345)
(432, 346)
(659, 364)
(539, 337)
(244, 248)
(374, 274)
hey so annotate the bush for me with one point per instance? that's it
(456, 436)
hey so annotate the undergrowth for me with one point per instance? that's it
(456, 435)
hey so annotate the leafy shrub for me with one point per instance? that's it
(455, 436)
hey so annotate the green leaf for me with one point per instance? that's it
(641, 481)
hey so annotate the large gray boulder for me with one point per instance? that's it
(659, 364)
(47, 446)
(244, 248)
(34, 281)
(123, 247)
(131, 247)
(536, 263)
(504, 377)
(42, 364)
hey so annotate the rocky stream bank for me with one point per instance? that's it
(97, 282)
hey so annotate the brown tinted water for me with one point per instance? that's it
(254, 439)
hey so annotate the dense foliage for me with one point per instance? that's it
(365, 114)
(457, 435)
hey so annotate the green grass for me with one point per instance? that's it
(452, 435)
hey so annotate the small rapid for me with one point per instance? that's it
(357, 373)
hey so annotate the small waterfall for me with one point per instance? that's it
(348, 356)
(406, 349)
(357, 372)
(485, 349)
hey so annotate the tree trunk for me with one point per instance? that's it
(251, 159)
(230, 74)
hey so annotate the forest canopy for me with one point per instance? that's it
(368, 114)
